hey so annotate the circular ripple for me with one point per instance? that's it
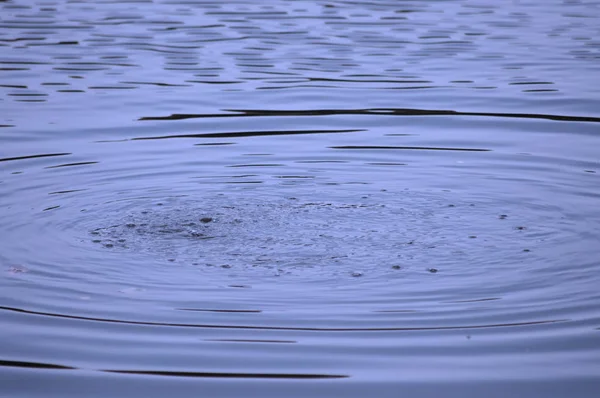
(403, 249)
(413, 275)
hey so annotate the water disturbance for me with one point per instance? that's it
(299, 198)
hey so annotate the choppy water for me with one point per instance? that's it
(299, 198)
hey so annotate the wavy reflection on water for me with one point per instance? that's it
(421, 148)
(37, 365)
(378, 112)
(310, 329)
(42, 155)
(248, 134)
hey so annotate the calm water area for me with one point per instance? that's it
(299, 198)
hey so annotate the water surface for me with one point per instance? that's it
(299, 198)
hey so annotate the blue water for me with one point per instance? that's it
(299, 198)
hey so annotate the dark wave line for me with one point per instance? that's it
(247, 13)
(22, 39)
(229, 375)
(160, 51)
(475, 300)
(322, 79)
(169, 46)
(48, 27)
(306, 177)
(27, 94)
(63, 192)
(375, 111)
(209, 310)
(123, 36)
(12, 86)
(274, 73)
(110, 87)
(157, 84)
(253, 341)
(63, 68)
(24, 63)
(33, 365)
(412, 87)
(70, 164)
(527, 83)
(195, 27)
(386, 164)
(321, 161)
(285, 328)
(258, 165)
(40, 365)
(213, 82)
(424, 148)
(44, 155)
(547, 90)
(235, 134)
(99, 64)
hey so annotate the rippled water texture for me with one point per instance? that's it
(299, 198)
